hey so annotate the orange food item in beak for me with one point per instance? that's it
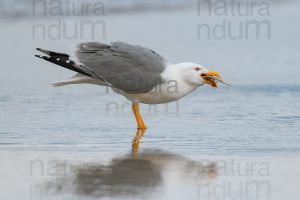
(209, 78)
(211, 83)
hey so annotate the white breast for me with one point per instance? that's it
(172, 89)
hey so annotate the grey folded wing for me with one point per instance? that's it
(131, 68)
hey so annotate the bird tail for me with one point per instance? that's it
(78, 79)
(63, 60)
(58, 84)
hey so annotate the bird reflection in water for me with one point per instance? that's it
(136, 142)
(141, 174)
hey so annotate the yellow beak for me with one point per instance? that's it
(212, 73)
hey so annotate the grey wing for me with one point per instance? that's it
(131, 68)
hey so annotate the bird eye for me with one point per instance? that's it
(197, 68)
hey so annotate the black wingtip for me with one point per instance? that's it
(44, 51)
(52, 53)
(43, 57)
(39, 56)
(63, 61)
(41, 50)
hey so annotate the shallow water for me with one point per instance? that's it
(76, 141)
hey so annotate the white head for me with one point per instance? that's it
(198, 75)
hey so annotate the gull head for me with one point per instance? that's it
(198, 75)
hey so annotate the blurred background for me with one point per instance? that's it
(80, 142)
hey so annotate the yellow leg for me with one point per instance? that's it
(138, 117)
(136, 142)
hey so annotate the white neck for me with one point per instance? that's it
(173, 75)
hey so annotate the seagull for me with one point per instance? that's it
(133, 71)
